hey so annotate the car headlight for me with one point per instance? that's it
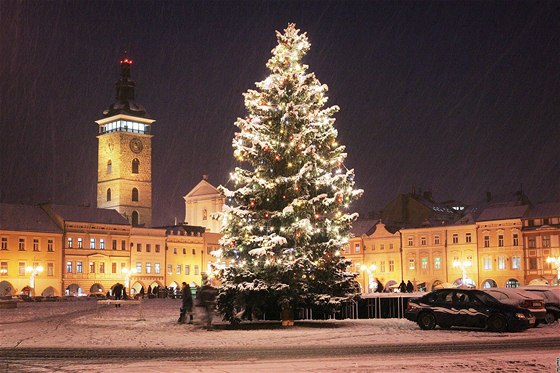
(520, 315)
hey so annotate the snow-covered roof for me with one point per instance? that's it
(502, 212)
(19, 217)
(88, 214)
(543, 210)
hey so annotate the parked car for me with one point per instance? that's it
(551, 295)
(520, 298)
(466, 308)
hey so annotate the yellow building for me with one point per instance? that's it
(124, 170)
(382, 257)
(500, 246)
(147, 259)
(185, 256)
(424, 256)
(462, 261)
(201, 204)
(541, 233)
(96, 248)
(30, 251)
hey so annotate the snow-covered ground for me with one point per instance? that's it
(79, 324)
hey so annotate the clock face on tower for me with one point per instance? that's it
(136, 145)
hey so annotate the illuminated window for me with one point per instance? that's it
(135, 165)
(3, 268)
(69, 242)
(178, 269)
(148, 268)
(92, 243)
(102, 244)
(515, 239)
(79, 268)
(170, 269)
(437, 263)
(501, 262)
(487, 263)
(21, 268)
(515, 262)
(80, 243)
(424, 263)
(357, 248)
(187, 269)
(138, 267)
(68, 267)
(411, 263)
(157, 268)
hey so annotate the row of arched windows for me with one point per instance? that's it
(135, 166)
(134, 195)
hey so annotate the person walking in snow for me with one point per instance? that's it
(207, 298)
(409, 287)
(402, 287)
(186, 304)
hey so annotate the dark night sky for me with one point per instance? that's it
(456, 97)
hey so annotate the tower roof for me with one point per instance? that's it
(125, 87)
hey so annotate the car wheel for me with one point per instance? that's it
(427, 321)
(549, 318)
(497, 323)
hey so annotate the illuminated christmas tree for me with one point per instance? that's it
(287, 221)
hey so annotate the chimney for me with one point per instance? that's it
(205, 177)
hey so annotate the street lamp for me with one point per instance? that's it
(463, 265)
(34, 271)
(127, 273)
(369, 270)
(556, 262)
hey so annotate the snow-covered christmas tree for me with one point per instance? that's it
(288, 218)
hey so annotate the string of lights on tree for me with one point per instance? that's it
(288, 217)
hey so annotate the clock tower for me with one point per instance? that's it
(124, 170)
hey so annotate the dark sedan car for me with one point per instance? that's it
(466, 308)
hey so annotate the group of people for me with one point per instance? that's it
(406, 288)
(403, 288)
(205, 302)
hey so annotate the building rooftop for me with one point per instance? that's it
(88, 214)
(19, 217)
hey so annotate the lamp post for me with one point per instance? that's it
(369, 270)
(34, 271)
(463, 265)
(555, 261)
(127, 274)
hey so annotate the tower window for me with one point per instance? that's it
(135, 194)
(109, 166)
(135, 217)
(135, 165)
(108, 194)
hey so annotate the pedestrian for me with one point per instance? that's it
(117, 291)
(207, 298)
(402, 287)
(186, 304)
(142, 292)
(379, 288)
(409, 287)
